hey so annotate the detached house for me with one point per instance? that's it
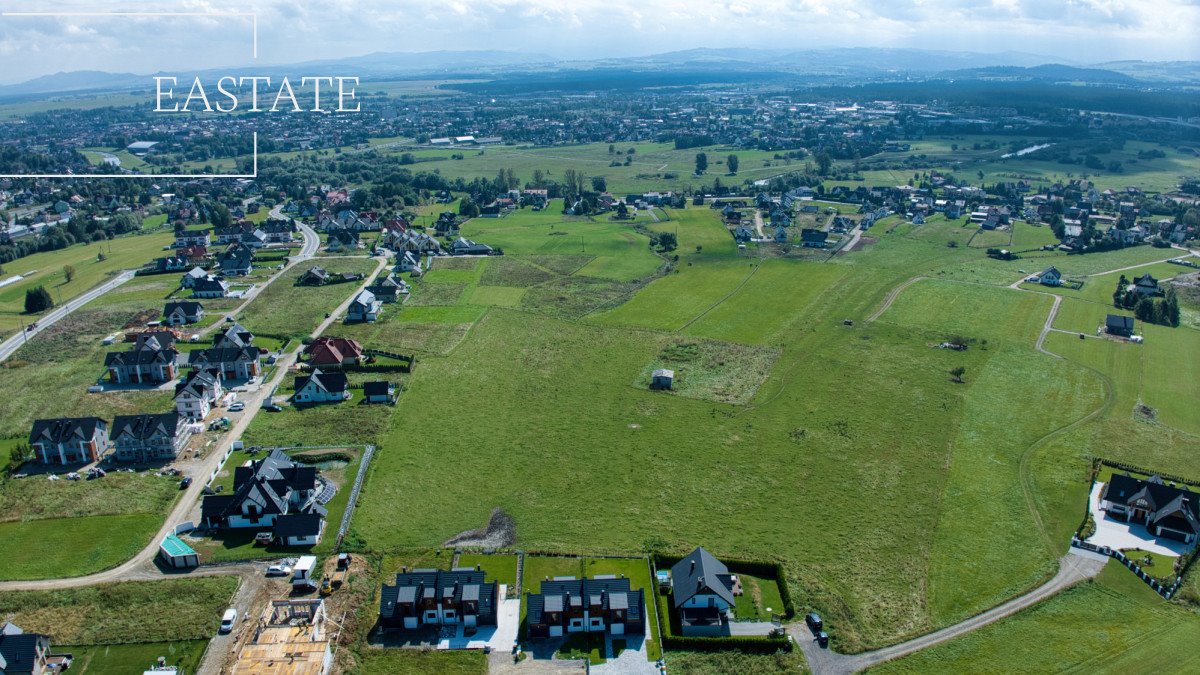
(196, 396)
(314, 276)
(234, 335)
(408, 262)
(813, 238)
(1050, 277)
(187, 238)
(388, 289)
(604, 603)
(193, 275)
(235, 260)
(334, 352)
(209, 287)
(24, 653)
(342, 240)
(1165, 510)
(321, 387)
(1146, 285)
(702, 593)
(463, 246)
(183, 312)
(149, 362)
(270, 494)
(69, 440)
(427, 597)
(364, 307)
(1116, 324)
(148, 438)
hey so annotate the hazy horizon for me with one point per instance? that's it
(1066, 31)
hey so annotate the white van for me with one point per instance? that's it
(228, 619)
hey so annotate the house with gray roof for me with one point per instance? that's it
(272, 494)
(148, 362)
(24, 653)
(428, 597)
(148, 437)
(1165, 510)
(69, 440)
(602, 604)
(321, 387)
(180, 312)
(364, 308)
(196, 396)
(703, 594)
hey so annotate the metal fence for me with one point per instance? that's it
(368, 453)
(1166, 591)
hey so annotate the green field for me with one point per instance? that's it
(284, 308)
(1112, 625)
(118, 613)
(129, 658)
(46, 269)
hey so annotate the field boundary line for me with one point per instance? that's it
(718, 303)
(891, 298)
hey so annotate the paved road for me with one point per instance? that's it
(189, 502)
(58, 313)
(1073, 567)
(311, 239)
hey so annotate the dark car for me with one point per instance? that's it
(814, 621)
(271, 407)
(823, 639)
(183, 484)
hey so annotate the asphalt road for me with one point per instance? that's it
(58, 313)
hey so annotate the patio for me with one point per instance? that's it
(1119, 534)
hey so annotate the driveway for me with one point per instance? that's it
(632, 660)
(1118, 534)
(498, 638)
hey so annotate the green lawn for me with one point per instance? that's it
(500, 567)
(71, 547)
(1112, 625)
(760, 599)
(420, 662)
(284, 308)
(130, 658)
(116, 613)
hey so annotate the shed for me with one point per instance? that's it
(174, 553)
(662, 379)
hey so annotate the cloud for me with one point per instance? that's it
(1077, 31)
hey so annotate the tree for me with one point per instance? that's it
(37, 300)
(701, 163)
(824, 163)
(732, 162)
(1144, 310)
(957, 373)
(1171, 307)
(611, 148)
(599, 184)
(69, 273)
(667, 241)
(1119, 294)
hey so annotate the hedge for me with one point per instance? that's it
(377, 368)
(754, 645)
(1124, 466)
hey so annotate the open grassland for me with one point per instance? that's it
(420, 662)
(50, 548)
(117, 493)
(721, 663)
(46, 269)
(284, 308)
(1112, 625)
(129, 658)
(116, 613)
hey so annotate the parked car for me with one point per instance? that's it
(278, 571)
(271, 407)
(237, 407)
(185, 483)
(228, 619)
(823, 639)
(264, 538)
(814, 621)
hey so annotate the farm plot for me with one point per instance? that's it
(283, 308)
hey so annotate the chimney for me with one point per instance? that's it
(693, 565)
(477, 568)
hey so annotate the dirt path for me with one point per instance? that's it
(190, 499)
(891, 297)
(1072, 568)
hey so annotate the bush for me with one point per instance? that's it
(37, 299)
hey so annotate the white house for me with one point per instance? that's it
(321, 387)
(1050, 277)
(178, 313)
(703, 591)
(196, 396)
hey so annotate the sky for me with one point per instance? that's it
(290, 31)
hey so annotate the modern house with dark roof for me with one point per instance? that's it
(178, 313)
(702, 593)
(233, 363)
(364, 308)
(313, 276)
(426, 597)
(270, 494)
(236, 260)
(1116, 324)
(149, 362)
(321, 387)
(1146, 285)
(209, 287)
(604, 603)
(234, 335)
(1165, 510)
(24, 653)
(813, 238)
(148, 438)
(69, 440)
(379, 392)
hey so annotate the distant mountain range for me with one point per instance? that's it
(794, 67)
